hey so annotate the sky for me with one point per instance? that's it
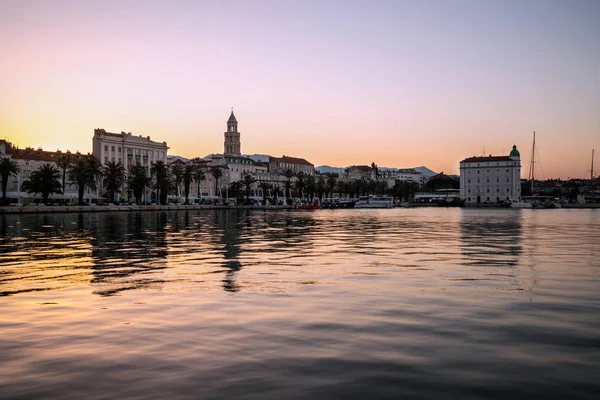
(399, 83)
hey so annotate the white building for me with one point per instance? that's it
(29, 160)
(491, 179)
(127, 148)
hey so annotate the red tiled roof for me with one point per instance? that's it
(41, 155)
(486, 159)
(362, 168)
(293, 160)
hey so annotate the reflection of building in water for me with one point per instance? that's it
(491, 240)
(126, 249)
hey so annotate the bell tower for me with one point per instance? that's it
(232, 144)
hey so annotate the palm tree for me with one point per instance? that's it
(247, 182)
(8, 167)
(44, 180)
(85, 172)
(138, 181)
(289, 174)
(320, 187)
(160, 171)
(189, 173)
(63, 161)
(331, 179)
(177, 171)
(311, 184)
(265, 187)
(300, 183)
(235, 188)
(199, 175)
(114, 177)
(217, 173)
(374, 166)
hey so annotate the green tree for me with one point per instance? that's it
(375, 169)
(289, 174)
(8, 167)
(311, 185)
(265, 187)
(177, 171)
(247, 182)
(84, 172)
(160, 171)
(300, 183)
(114, 178)
(321, 187)
(235, 188)
(331, 179)
(63, 161)
(44, 180)
(189, 173)
(217, 173)
(199, 176)
(137, 181)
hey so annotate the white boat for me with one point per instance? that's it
(374, 202)
(520, 204)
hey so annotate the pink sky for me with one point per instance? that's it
(400, 83)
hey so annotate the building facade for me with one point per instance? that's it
(127, 149)
(29, 160)
(279, 165)
(491, 179)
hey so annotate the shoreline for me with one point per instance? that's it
(111, 208)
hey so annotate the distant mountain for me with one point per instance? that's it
(264, 158)
(426, 171)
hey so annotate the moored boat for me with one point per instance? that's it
(374, 202)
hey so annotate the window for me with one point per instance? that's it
(112, 148)
(119, 149)
(488, 180)
(507, 171)
(497, 179)
(469, 180)
(507, 190)
(488, 190)
(497, 190)
(477, 171)
(105, 147)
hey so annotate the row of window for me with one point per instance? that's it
(488, 190)
(488, 171)
(488, 180)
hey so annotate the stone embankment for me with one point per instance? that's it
(31, 209)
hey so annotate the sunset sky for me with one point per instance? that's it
(400, 83)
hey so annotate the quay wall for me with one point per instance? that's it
(31, 209)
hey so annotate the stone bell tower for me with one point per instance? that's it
(232, 144)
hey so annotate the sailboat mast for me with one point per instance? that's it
(592, 169)
(533, 163)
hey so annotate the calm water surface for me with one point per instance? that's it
(404, 303)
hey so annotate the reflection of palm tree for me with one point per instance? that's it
(8, 167)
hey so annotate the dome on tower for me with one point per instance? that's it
(513, 153)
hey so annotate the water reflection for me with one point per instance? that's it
(127, 250)
(491, 239)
